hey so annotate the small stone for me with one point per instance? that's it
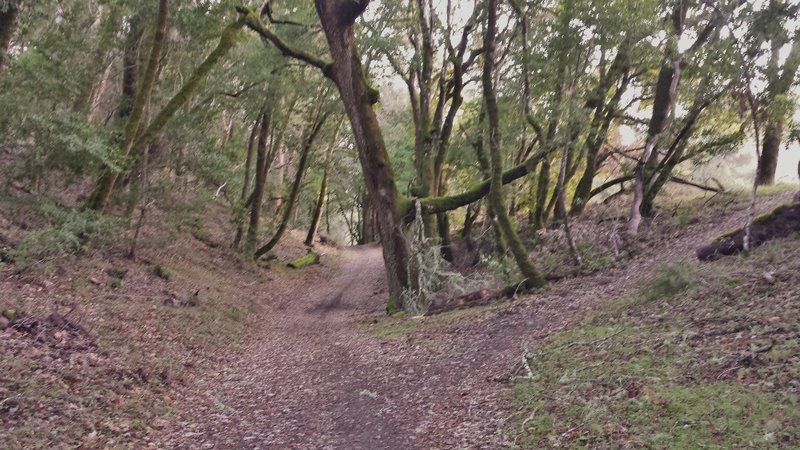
(4, 323)
(769, 277)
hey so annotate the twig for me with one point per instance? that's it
(530, 417)
(526, 366)
(596, 341)
(724, 372)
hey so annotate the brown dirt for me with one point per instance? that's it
(313, 377)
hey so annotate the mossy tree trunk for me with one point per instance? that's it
(134, 145)
(133, 127)
(338, 18)
(532, 276)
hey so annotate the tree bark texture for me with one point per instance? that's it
(532, 276)
(338, 17)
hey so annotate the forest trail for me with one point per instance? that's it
(312, 376)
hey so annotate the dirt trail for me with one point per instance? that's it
(313, 378)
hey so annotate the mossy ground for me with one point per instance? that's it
(703, 356)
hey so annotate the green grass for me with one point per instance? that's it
(702, 356)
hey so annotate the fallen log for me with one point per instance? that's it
(780, 222)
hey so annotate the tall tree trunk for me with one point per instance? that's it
(323, 189)
(8, 24)
(338, 17)
(532, 276)
(133, 127)
(258, 188)
(130, 69)
(664, 102)
(248, 170)
(292, 202)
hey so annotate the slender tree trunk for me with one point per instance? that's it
(669, 77)
(532, 276)
(292, 202)
(320, 205)
(8, 24)
(144, 181)
(130, 69)
(561, 193)
(338, 17)
(667, 86)
(260, 183)
(323, 190)
(542, 189)
(248, 170)
(483, 162)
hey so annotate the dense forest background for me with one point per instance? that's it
(122, 107)
(488, 148)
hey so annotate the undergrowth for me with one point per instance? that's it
(66, 233)
(703, 356)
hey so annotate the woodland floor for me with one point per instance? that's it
(320, 366)
(314, 376)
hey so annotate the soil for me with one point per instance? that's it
(142, 365)
(313, 376)
(779, 223)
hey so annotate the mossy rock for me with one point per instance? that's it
(306, 260)
(9, 314)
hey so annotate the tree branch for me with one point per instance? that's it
(253, 21)
(434, 205)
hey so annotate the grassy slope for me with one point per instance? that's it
(703, 356)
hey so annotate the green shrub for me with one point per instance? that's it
(503, 268)
(162, 272)
(71, 233)
(668, 281)
(593, 257)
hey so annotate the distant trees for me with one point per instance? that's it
(769, 37)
